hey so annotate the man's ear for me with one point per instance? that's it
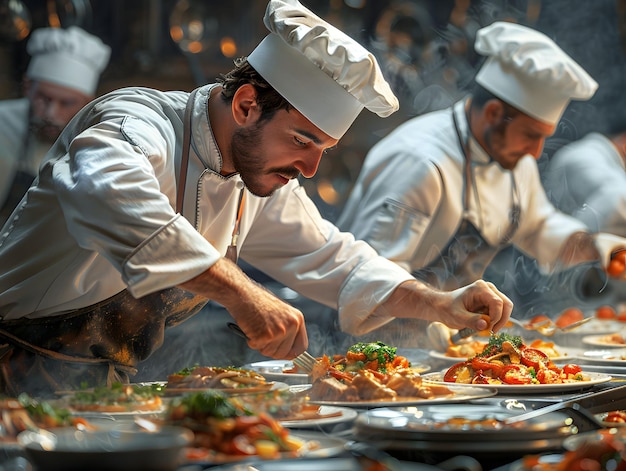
(494, 111)
(244, 105)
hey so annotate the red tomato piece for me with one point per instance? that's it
(571, 369)
(547, 376)
(515, 374)
(569, 316)
(462, 369)
(535, 358)
(479, 363)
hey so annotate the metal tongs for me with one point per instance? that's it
(545, 327)
(548, 328)
(582, 407)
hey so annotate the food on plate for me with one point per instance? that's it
(117, 398)
(507, 360)
(465, 349)
(569, 316)
(605, 451)
(369, 372)
(615, 416)
(612, 339)
(606, 312)
(546, 347)
(226, 430)
(617, 265)
(213, 377)
(25, 413)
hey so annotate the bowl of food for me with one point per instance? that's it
(71, 449)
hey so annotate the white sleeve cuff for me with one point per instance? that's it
(174, 254)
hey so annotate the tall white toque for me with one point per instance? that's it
(529, 71)
(321, 71)
(68, 57)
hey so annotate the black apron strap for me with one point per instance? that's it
(97, 344)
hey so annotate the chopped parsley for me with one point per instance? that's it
(495, 343)
(375, 351)
(210, 403)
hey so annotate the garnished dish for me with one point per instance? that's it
(25, 413)
(507, 360)
(602, 450)
(225, 430)
(368, 371)
(118, 398)
(227, 379)
(372, 374)
(609, 340)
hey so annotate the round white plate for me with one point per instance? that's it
(602, 341)
(460, 393)
(594, 378)
(610, 357)
(346, 415)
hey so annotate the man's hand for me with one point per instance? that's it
(273, 327)
(479, 306)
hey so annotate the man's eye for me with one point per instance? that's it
(299, 141)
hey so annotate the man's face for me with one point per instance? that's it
(269, 154)
(513, 137)
(52, 107)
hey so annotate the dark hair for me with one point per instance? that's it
(268, 99)
(480, 96)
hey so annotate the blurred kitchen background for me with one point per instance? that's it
(424, 47)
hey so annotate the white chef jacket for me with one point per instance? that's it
(408, 199)
(19, 149)
(102, 219)
(587, 179)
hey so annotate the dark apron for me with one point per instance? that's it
(98, 344)
(467, 254)
(19, 186)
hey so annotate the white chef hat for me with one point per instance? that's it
(529, 71)
(69, 57)
(322, 72)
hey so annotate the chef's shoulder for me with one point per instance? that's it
(13, 125)
(147, 118)
(427, 137)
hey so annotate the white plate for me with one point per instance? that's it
(459, 393)
(594, 378)
(611, 357)
(273, 370)
(326, 447)
(599, 326)
(601, 341)
(566, 354)
(347, 415)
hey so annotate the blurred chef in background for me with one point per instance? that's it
(587, 179)
(445, 192)
(62, 77)
(148, 197)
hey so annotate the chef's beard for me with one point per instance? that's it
(46, 131)
(250, 161)
(495, 141)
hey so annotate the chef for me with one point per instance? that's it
(587, 179)
(148, 197)
(62, 77)
(444, 192)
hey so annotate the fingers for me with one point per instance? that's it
(486, 299)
